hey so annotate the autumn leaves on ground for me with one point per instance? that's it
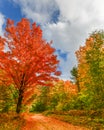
(40, 122)
(30, 82)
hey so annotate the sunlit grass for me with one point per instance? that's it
(10, 121)
(92, 120)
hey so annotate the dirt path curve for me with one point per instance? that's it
(40, 122)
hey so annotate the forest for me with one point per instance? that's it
(30, 80)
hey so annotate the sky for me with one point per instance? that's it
(68, 23)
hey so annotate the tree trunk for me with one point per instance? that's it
(20, 98)
(21, 91)
(78, 86)
(19, 103)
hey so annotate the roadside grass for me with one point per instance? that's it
(10, 121)
(93, 120)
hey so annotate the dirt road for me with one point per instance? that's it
(40, 122)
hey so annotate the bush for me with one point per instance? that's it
(8, 97)
(82, 101)
(38, 107)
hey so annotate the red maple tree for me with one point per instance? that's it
(28, 59)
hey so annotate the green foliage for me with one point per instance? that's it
(74, 73)
(91, 71)
(95, 59)
(54, 98)
(85, 100)
(59, 98)
(8, 96)
(38, 107)
(57, 101)
(82, 101)
(41, 101)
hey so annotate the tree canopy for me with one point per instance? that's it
(27, 60)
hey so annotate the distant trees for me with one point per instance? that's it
(56, 98)
(28, 59)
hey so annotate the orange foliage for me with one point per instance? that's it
(67, 86)
(30, 60)
(83, 67)
(70, 87)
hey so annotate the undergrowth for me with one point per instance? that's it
(93, 120)
(11, 121)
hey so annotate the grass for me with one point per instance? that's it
(93, 120)
(10, 121)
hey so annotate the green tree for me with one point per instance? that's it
(95, 59)
(58, 96)
(91, 59)
(74, 73)
(41, 101)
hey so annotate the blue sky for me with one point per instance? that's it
(67, 22)
(9, 10)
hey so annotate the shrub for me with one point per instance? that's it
(38, 107)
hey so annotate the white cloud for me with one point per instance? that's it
(77, 19)
(2, 21)
(81, 11)
(66, 37)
